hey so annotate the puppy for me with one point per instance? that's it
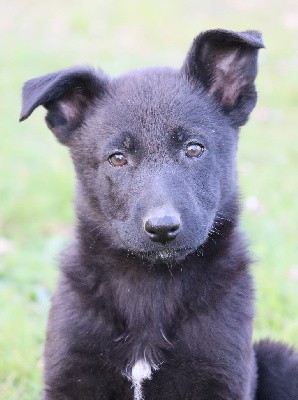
(155, 297)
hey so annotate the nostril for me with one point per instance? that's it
(162, 229)
(149, 227)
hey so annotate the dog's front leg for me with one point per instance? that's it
(94, 384)
(195, 379)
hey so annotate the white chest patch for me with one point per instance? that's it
(139, 372)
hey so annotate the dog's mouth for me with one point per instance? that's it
(165, 255)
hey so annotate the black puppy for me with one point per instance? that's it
(155, 299)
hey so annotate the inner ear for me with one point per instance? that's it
(224, 64)
(230, 76)
(67, 113)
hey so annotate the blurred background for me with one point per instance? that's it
(36, 177)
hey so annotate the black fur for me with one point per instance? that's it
(134, 285)
(277, 371)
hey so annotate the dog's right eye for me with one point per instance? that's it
(117, 160)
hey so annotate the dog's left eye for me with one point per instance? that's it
(194, 150)
(117, 160)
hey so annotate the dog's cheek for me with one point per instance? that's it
(227, 168)
(118, 199)
(207, 195)
(112, 197)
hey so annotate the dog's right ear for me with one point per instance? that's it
(66, 95)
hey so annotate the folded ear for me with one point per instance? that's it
(66, 95)
(224, 63)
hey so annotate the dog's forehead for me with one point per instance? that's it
(153, 100)
(147, 99)
(147, 82)
(148, 107)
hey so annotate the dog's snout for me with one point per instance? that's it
(162, 229)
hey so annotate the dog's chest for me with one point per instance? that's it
(149, 355)
(140, 371)
(149, 328)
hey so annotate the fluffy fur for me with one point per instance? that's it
(156, 283)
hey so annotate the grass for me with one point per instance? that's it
(36, 174)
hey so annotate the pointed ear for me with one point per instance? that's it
(66, 95)
(224, 63)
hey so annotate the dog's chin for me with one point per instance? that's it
(165, 256)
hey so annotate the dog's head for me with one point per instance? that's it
(154, 150)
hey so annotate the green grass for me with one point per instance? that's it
(36, 174)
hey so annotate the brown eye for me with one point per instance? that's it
(194, 150)
(117, 160)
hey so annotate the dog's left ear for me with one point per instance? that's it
(225, 64)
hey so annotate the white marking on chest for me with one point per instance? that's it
(139, 372)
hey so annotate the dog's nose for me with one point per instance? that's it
(162, 229)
